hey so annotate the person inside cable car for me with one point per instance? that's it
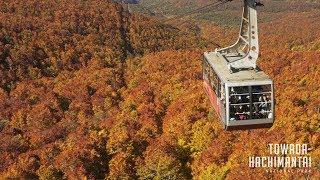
(244, 99)
(239, 99)
(264, 103)
(242, 94)
(241, 113)
(258, 112)
(236, 99)
(268, 98)
(232, 90)
(247, 99)
(264, 106)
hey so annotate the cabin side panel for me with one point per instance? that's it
(213, 98)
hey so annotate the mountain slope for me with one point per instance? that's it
(92, 91)
(62, 70)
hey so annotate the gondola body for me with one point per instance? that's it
(242, 100)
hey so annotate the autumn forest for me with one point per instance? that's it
(90, 90)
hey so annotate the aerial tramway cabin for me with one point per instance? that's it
(242, 100)
(240, 92)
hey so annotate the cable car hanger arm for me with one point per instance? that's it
(245, 52)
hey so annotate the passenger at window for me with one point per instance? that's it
(239, 100)
(247, 99)
(233, 99)
(241, 113)
(256, 112)
(264, 104)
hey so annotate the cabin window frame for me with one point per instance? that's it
(250, 102)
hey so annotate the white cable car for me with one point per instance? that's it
(239, 91)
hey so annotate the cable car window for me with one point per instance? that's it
(239, 103)
(239, 95)
(261, 101)
(213, 79)
(250, 102)
(205, 68)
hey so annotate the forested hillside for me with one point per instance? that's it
(91, 90)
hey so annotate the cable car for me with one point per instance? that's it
(240, 92)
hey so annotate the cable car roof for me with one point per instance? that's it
(221, 68)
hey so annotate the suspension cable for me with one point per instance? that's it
(206, 7)
(197, 15)
(149, 11)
